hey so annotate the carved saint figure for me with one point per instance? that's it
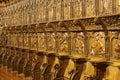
(90, 7)
(26, 42)
(97, 44)
(63, 42)
(78, 45)
(107, 6)
(41, 41)
(51, 41)
(33, 41)
(117, 45)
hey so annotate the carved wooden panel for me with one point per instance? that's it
(26, 40)
(97, 43)
(41, 42)
(50, 7)
(20, 40)
(67, 9)
(77, 12)
(43, 10)
(106, 6)
(34, 41)
(77, 41)
(115, 45)
(51, 43)
(63, 43)
(90, 8)
(13, 40)
(58, 8)
(9, 39)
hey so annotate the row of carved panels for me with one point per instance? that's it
(65, 43)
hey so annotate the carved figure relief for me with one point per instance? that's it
(51, 41)
(43, 10)
(97, 46)
(26, 41)
(116, 42)
(63, 42)
(67, 9)
(20, 40)
(77, 43)
(90, 7)
(33, 41)
(13, 40)
(9, 39)
(41, 41)
(107, 6)
(58, 8)
(77, 8)
(51, 6)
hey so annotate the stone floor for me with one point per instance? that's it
(8, 75)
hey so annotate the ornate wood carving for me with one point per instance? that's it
(77, 43)
(97, 46)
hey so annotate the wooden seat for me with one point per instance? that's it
(28, 68)
(21, 62)
(63, 65)
(37, 71)
(1, 57)
(5, 59)
(9, 61)
(47, 72)
(79, 68)
(14, 63)
(100, 68)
